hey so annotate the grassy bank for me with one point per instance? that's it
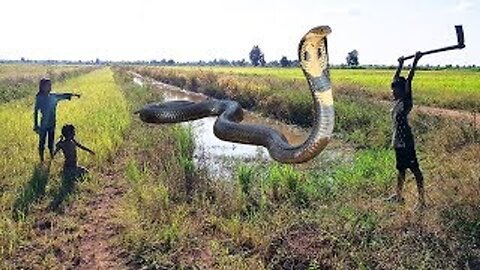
(100, 117)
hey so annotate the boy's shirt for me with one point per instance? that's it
(47, 105)
(402, 133)
(69, 149)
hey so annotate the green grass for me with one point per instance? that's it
(100, 116)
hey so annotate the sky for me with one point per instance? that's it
(192, 30)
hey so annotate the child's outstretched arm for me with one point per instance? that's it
(399, 68)
(84, 148)
(68, 96)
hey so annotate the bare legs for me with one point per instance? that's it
(421, 191)
(398, 196)
(46, 136)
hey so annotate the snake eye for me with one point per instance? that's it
(306, 56)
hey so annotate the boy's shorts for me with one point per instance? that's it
(406, 158)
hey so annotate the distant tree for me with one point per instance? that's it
(256, 56)
(223, 62)
(22, 59)
(284, 62)
(273, 63)
(97, 61)
(170, 62)
(352, 58)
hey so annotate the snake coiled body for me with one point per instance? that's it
(313, 56)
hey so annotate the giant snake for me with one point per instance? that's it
(313, 57)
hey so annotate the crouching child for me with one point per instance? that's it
(68, 145)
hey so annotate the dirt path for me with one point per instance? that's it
(471, 117)
(96, 250)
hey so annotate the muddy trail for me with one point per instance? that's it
(79, 235)
(466, 116)
(95, 245)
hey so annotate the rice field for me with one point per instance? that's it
(11, 71)
(18, 81)
(454, 89)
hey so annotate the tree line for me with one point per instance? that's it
(256, 59)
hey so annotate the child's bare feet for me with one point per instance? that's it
(419, 206)
(395, 198)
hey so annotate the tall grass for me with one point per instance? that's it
(100, 117)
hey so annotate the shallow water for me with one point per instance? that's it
(219, 157)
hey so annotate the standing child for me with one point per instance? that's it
(402, 140)
(69, 145)
(46, 103)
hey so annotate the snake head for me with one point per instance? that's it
(313, 56)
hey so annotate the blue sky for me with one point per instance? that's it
(201, 30)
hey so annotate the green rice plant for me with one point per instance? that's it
(244, 174)
(284, 182)
(186, 145)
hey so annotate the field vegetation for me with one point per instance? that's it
(18, 81)
(450, 88)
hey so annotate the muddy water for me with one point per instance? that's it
(219, 157)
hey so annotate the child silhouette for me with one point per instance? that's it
(69, 145)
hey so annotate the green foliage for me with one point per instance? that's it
(374, 168)
(352, 58)
(186, 145)
(244, 174)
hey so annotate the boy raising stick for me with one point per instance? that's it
(402, 138)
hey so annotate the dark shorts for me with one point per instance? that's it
(406, 158)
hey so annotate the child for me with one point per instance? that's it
(402, 140)
(46, 103)
(69, 145)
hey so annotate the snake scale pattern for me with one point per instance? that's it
(313, 57)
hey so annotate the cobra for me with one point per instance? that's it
(313, 57)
